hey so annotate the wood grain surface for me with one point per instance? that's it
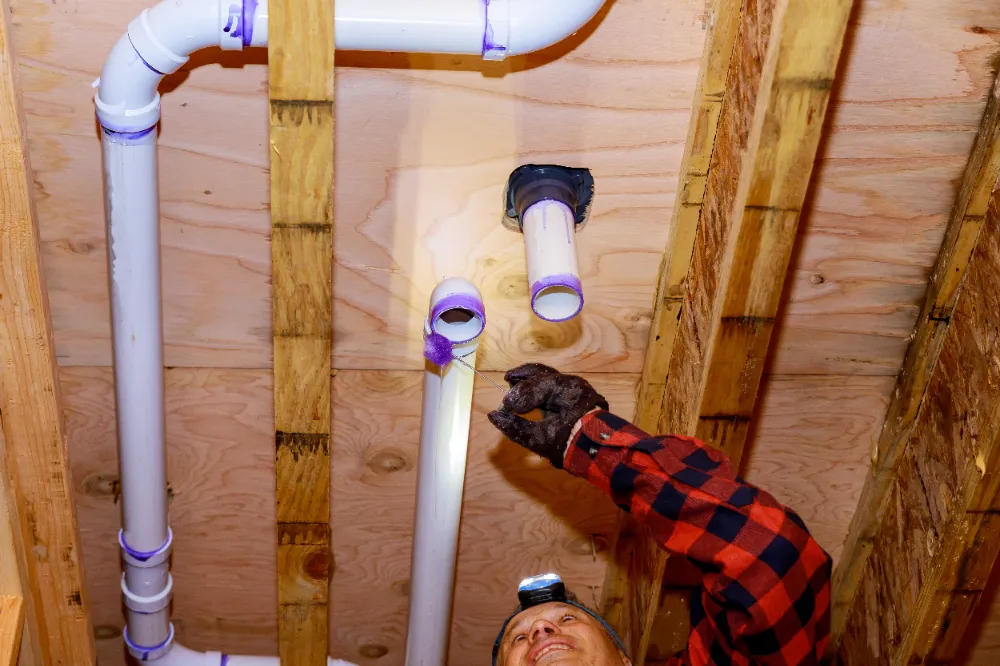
(425, 145)
(521, 517)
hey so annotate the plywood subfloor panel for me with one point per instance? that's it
(520, 516)
(425, 145)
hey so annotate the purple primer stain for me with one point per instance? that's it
(565, 280)
(127, 138)
(460, 302)
(144, 648)
(249, 14)
(144, 62)
(224, 660)
(489, 45)
(141, 555)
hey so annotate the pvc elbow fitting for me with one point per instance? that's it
(548, 203)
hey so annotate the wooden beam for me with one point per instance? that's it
(631, 569)
(948, 574)
(35, 443)
(780, 75)
(301, 61)
(11, 626)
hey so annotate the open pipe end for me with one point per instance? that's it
(557, 298)
(457, 311)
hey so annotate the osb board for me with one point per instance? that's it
(425, 145)
(520, 516)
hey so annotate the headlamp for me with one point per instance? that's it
(543, 589)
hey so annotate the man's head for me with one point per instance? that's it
(550, 628)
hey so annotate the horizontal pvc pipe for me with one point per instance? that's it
(161, 39)
(553, 270)
(456, 311)
(182, 656)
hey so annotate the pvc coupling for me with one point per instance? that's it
(548, 204)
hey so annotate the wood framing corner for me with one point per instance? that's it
(732, 235)
(42, 549)
(940, 433)
(301, 61)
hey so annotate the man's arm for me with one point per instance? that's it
(766, 588)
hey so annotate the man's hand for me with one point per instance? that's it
(562, 399)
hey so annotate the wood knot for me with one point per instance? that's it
(373, 651)
(317, 564)
(107, 632)
(402, 587)
(816, 278)
(514, 287)
(389, 461)
(101, 485)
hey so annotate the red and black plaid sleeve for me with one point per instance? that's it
(766, 590)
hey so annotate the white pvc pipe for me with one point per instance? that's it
(182, 656)
(553, 270)
(491, 28)
(159, 42)
(456, 311)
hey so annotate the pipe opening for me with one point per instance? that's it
(458, 324)
(556, 301)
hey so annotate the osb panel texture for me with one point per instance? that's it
(424, 147)
(520, 515)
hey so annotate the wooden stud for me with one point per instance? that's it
(35, 444)
(11, 626)
(932, 400)
(780, 75)
(301, 61)
(937, 538)
(960, 239)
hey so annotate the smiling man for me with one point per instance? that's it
(765, 592)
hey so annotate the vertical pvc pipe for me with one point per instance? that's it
(132, 213)
(553, 272)
(457, 313)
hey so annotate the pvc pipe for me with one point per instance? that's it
(553, 271)
(182, 656)
(491, 28)
(457, 312)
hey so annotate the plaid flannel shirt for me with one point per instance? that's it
(765, 595)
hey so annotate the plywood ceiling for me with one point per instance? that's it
(424, 147)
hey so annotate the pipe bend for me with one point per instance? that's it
(158, 42)
(538, 24)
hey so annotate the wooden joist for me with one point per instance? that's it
(742, 216)
(301, 60)
(925, 534)
(40, 492)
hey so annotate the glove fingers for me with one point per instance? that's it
(531, 393)
(518, 430)
(527, 371)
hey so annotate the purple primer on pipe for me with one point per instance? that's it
(565, 280)
(145, 649)
(144, 62)
(459, 302)
(127, 138)
(490, 46)
(141, 555)
(249, 14)
(224, 660)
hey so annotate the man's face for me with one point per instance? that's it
(558, 634)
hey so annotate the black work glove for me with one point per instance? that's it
(562, 399)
